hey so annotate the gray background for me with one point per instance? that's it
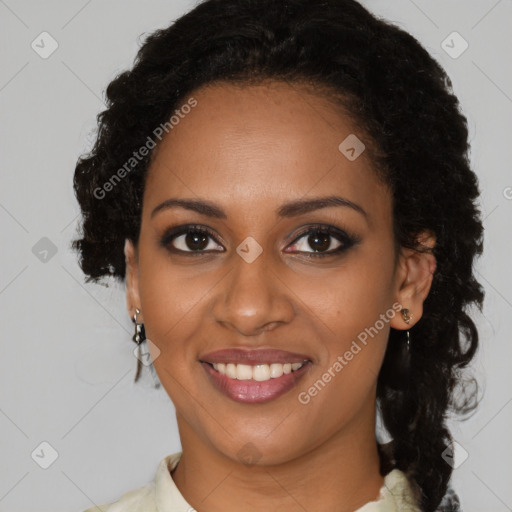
(66, 364)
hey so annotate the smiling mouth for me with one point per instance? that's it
(257, 372)
(255, 384)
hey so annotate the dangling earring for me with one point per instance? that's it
(139, 337)
(140, 334)
(395, 372)
(407, 319)
(396, 368)
(404, 350)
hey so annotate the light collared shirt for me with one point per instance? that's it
(162, 494)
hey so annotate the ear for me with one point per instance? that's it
(413, 279)
(132, 279)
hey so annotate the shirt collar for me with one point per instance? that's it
(167, 495)
(395, 494)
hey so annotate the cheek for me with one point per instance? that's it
(352, 355)
(352, 307)
(171, 304)
(351, 296)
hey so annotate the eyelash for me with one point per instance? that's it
(347, 240)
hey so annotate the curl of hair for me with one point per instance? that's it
(400, 98)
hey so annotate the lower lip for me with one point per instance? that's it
(252, 391)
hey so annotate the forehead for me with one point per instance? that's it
(254, 146)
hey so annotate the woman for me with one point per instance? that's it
(285, 188)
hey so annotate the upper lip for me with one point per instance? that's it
(251, 356)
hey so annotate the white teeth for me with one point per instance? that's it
(259, 372)
(230, 370)
(276, 370)
(243, 372)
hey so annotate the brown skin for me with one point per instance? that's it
(250, 149)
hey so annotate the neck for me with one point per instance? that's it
(340, 474)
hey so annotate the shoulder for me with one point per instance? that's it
(148, 497)
(450, 502)
(406, 498)
(396, 495)
(138, 500)
(399, 491)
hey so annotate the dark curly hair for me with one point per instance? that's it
(402, 99)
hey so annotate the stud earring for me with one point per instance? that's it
(407, 315)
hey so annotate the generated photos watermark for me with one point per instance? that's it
(144, 150)
(341, 361)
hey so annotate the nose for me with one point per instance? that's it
(253, 298)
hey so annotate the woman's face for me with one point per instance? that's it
(258, 282)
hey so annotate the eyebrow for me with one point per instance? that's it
(291, 209)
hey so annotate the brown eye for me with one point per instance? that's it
(189, 239)
(324, 240)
